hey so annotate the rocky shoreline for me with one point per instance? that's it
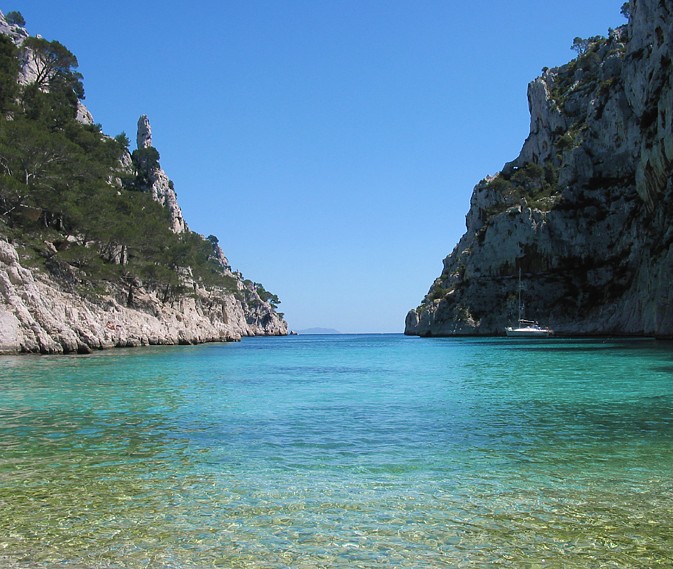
(38, 316)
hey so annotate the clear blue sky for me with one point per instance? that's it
(332, 146)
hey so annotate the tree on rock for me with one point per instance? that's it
(15, 18)
(582, 45)
(626, 10)
(54, 64)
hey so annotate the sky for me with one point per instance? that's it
(331, 146)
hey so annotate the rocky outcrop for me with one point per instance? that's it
(585, 210)
(157, 182)
(144, 134)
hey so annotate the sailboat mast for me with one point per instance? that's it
(520, 307)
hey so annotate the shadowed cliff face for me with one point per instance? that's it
(585, 210)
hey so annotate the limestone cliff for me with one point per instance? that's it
(585, 210)
(38, 315)
(48, 302)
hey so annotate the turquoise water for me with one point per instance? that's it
(340, 451)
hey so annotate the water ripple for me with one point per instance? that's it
(372, 451)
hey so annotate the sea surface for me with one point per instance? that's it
(340, 451)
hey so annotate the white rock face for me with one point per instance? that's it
(585, 210)
(163, 193)
(159, 184)
(36, 315)
(144, 136)
(83, 116)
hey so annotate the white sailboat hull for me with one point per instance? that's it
(528, 332)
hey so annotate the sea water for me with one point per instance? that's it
(340, 451)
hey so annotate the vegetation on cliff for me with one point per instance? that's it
(75, 202)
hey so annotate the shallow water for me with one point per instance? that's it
(340, 451)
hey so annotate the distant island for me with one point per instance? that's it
(319, 331)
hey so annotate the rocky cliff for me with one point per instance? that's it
(157, 182)
(48, 303)
(586, 209)
(38, 315)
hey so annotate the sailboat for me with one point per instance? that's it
(527, 328)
